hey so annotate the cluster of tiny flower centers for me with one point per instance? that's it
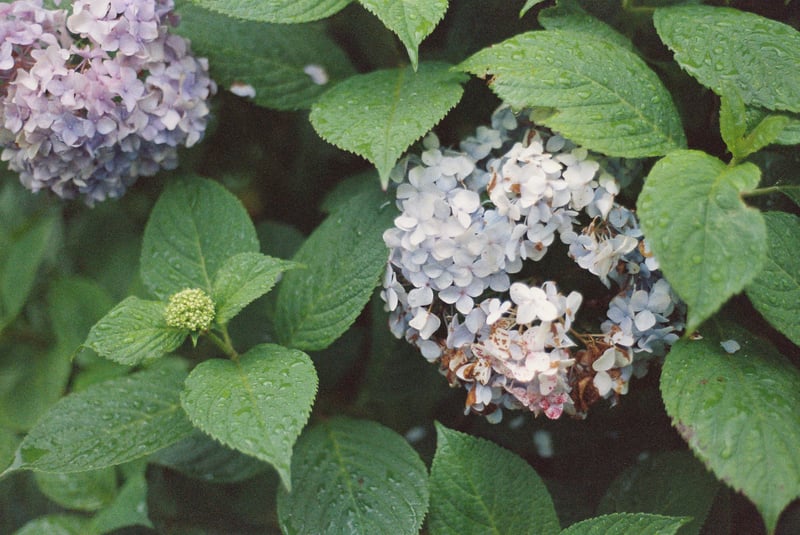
(470, 221)
(91, 100)
(190, 309)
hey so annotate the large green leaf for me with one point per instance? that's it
(601, 94)
(775, 291)
(194, 228)
(724, 47)
(411, 20)
(626, 523)
(288, 67)
(344, 259)
(354, 476)
(738, 412)
(280, 11)
(378, 115)
(709, 244)
(257, 404)
(107, 424)
(479, 487)
(85, 491)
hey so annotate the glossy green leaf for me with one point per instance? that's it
(257, 404)
(107, 424)
(56, 525)
(194, 228)
(344, 258)
(279, 11)
(529, 4)
(288, 66)
(479, 487)
(354, 476)
(411, 20)
(378, 115)
(775, 291)
(569, 15)
(601, 95)
(709, 244)
(85, 491)
(626, 523)
(672, 483)
(725, 47)
(134, 332)
(789, 135)
(128, 509)
(717, 401)
(745, 132)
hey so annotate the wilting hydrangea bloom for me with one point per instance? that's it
(472, 222)
(91, 100)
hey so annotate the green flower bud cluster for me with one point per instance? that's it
(190, 309)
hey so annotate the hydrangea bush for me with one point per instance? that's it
(583, 215)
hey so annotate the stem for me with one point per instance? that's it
(766, 191)
(224, 343)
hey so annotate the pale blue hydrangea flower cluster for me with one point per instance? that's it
(470, 221)
(95, 97)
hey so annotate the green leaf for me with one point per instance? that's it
(735, 120)
(134, 332)
(344, 258)
(56, 525)
(738, 412)
(257, 405)
(602, 95)
(775, 292)
(411, 20)
(128, 509)
(107, 424)
(672, 483)
(724, 47)
(569, 15)
(732, 119)
(85, 491)
(529, 4)
(626, 523)
(242, 279)
(289, 67)
(709, 244)
(378, 115)
(280, 11)
(193, 229)
(479, 487)
(75, 305)
(354, 476)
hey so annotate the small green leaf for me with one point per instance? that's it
(289, 67)
(354, 476)
(134, 332)
(378, 115)
(194, 228)
(479, 487)
(85, 491)
(411, 20)
(724, 47)
(603, 96)
(709, 244)
(128, 509)
(280, 11)
(529, 4)
(569, 15)
(244, 278)
(626, 523)
(107, 424)
(75, 304)
(344, 259)
(732, 119)
(56, 525)
(735, 120)
(717, 402)
(672, 483)
(775, 292)
(257, 405)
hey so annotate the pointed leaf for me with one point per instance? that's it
(242, 279)
(717, 402)
(134, 332)
(735, 120)
(344, 259)
(108, 424)
(193, 229)
(747, 59)
(128, 509)
(603, 96)
(257, 405)
(354, 476)
(85, 491)
(411, 20)
(775, 292)
(529, 4)
(709, 244)
(378, 115)
(569, 15)
(479, 487)
(280, 11)
(626, 523)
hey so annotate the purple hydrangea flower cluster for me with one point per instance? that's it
(91, 100)
(473, 224)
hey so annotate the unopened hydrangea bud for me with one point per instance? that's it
(190, 309)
